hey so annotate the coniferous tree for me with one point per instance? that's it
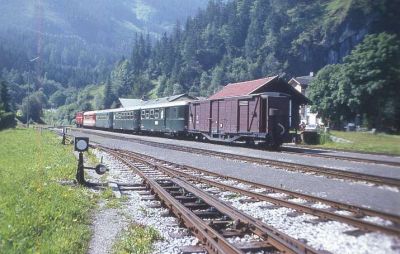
(4, 96)
(108, 97)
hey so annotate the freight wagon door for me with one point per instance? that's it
(193, 116)
(243, 116)
(278, 115)
(214, 116)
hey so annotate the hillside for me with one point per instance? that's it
(107, 22)
(243, 40)
(82, 34)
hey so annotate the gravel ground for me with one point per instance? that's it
(308, 228)
(109, 223)
(374, 169)
(383, 199)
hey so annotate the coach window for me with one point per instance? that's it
(161, 113)
(151, 113)
(156, 113)
(147, 114)
(143, 114)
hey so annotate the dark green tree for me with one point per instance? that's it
(365, 84)
(122, 78)
(57, 99)
(35, 108)
(373, 70)
(328, 97)
(255, 34)
(108, 96)
(5, 97)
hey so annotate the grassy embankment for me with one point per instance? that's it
(37, 214)
(366, 142)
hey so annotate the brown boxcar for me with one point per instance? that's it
(263, 116)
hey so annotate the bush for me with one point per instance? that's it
(324, 138)
(310, 138)
(7, 120)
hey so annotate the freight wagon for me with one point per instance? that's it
(259, 117)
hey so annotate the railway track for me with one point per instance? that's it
(296, 167)
(311, 153)
(354, 215)
(214, 223)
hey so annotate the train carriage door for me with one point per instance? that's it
(163, 118)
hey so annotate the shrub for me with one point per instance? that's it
(7, 120)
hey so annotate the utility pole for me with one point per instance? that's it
(29, 92)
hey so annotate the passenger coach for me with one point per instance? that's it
(168, 117)
(89, 119)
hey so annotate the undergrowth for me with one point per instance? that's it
(137, 239)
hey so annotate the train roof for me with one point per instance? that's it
(160, 105)
(140, 107)
(89, 112)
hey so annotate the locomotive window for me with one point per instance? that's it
(151, 113)
(147, 114)
(156, 113)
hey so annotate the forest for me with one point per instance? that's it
(352, 45)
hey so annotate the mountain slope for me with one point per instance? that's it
(106, 22)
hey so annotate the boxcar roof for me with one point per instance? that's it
(269, 84)
(241, 88)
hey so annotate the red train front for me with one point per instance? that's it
(79, 119)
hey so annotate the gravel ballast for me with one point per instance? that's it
(109, 223)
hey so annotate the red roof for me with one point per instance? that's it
(242, 88)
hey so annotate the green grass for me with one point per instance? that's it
(37, 213)
(136, 239)
(111, 201)
(366, 142)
